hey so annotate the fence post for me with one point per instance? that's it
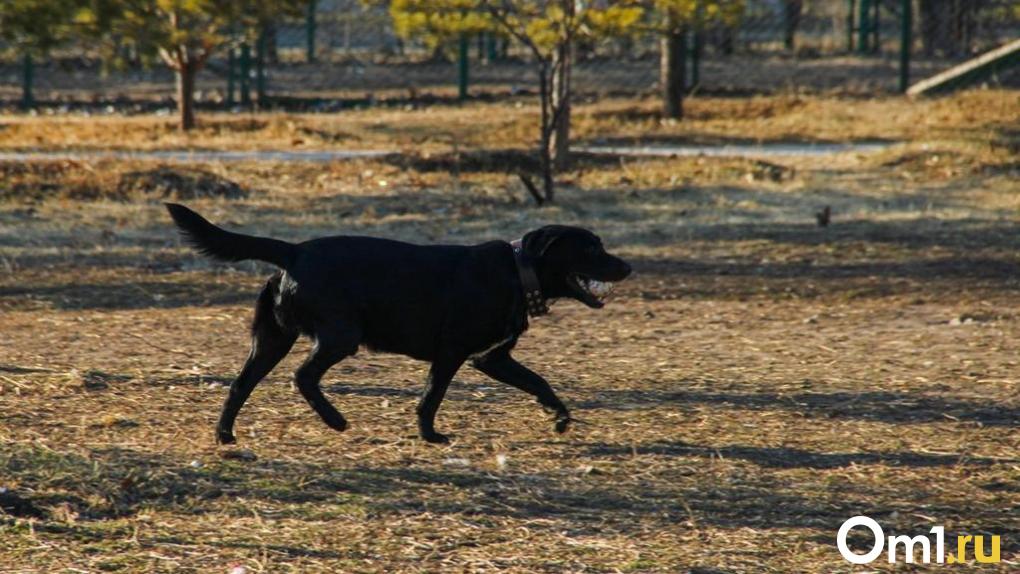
(698, 45)
(260, 69)
(27, 81)
(462, 68)
(245, 74)
(490, 47)
(876, 26)
(692, 52)
(906, 42)
(231, 75)
(864, 26)
(310, 32)
(851, 10)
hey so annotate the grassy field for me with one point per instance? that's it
(759, 381)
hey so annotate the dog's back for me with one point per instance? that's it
(398, 294)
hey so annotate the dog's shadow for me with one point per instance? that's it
(882, 406)
(789, 458)
(129, 481)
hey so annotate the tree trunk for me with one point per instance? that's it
(672, 73)
(547, 127)
(560, 107)
(185, 74)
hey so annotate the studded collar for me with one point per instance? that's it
(533, 298)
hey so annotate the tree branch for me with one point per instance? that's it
(168, 59)
(530, 186)
(502, 17)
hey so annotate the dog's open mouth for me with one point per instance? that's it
(593, 292)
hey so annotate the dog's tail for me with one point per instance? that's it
(228, 246)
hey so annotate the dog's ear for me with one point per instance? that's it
(536, 243)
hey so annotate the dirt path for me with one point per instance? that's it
(780, 150)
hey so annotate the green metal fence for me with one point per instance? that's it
(344, 52)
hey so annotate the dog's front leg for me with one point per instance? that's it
(502, 367)
(440, 375)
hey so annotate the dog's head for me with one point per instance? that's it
(571, 262)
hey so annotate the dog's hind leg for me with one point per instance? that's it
(269, 344)
(331, 346)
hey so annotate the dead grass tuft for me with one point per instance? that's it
(83, 181)
(38, 181)
(180, 183)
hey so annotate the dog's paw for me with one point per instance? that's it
(225, 437)
(338, 424)
(563, 423)
(435, 438)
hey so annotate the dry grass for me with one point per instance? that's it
(758, 382)
(969, 116)
(44, 181)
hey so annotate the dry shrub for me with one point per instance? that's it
(179, 183)
(82, 181)
(946, 164)
(37, 181)
(477, 161)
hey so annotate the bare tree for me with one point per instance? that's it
(548, 30)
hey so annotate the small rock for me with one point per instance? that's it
(457, 462)
(238, 454)
(94, 381)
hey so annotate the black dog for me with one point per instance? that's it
(439, 303)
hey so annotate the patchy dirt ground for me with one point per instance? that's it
(761, 379)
